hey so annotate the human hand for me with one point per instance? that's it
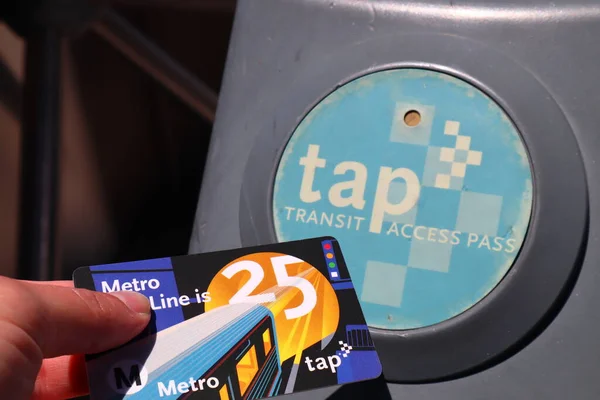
(46, 327)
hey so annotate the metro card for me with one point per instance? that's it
(247, 323)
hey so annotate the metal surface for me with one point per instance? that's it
(550, 253)
(156, 62)
(39, 155)
(294, 52)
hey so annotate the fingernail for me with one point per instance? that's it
(135, 301)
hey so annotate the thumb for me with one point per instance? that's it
(64, 320)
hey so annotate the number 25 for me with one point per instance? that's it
(283, 279)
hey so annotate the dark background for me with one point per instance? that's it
(131, 153)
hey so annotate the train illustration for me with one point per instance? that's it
(229, 353)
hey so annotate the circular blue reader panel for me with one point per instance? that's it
(425, 182)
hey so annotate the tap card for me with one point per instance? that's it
(247, 323)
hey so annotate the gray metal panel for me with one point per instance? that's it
(273, 40)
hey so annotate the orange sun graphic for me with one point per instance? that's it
(302, 300)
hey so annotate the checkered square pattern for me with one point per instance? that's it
(420, 134)
(442, 181)
(458, 169)
(451, 128)
(345, 348)
(447, 154)
(434, 165)
(445, 168)
(430, 255)
(383, 284)
(479, 213)
(458, 157)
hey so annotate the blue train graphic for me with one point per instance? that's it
(228, 353)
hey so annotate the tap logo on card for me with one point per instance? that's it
(239, 324)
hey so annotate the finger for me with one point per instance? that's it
(72, 321)
(52, 283)
(61, 378)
